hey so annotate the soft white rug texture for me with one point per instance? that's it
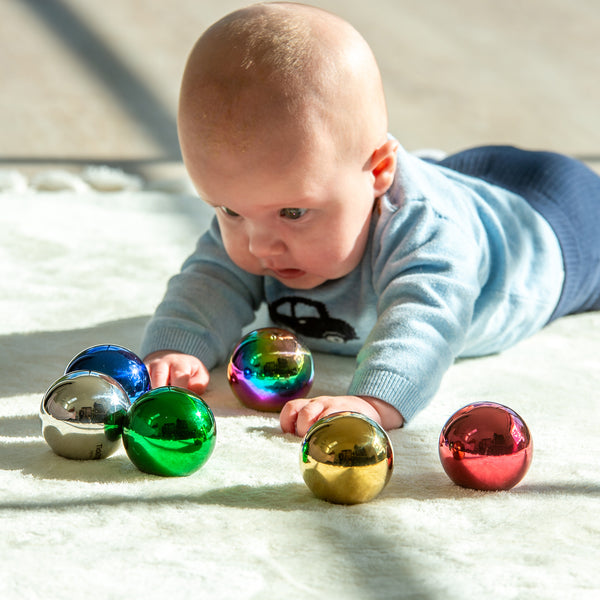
(84, 261)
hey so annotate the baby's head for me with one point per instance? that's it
(282, 112)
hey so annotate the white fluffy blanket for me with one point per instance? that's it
(84, 261)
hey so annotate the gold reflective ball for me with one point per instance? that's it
(346, 458)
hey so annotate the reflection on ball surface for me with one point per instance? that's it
(485, 446)
(118, 362)
(346, 458)
(82, 415)
(170, 432)
(268, 367)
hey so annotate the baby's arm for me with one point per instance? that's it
(297, 416)
(204, 310)
(177, 369)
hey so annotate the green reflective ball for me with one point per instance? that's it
(170, 432)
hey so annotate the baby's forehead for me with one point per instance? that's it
(247, 111)
(250, 120)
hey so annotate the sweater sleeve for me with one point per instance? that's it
(205, 306)
(426, 274)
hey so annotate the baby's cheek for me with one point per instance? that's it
(330, 261)
(248, 264)
(313, 253)
(236, 247)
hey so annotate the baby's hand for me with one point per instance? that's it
(177, 369)
(297, 416)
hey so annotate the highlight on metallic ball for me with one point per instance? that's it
(346, 458)
(268, 367)
(170, 432)
(485, 446)
(82, 415)
(118, 362)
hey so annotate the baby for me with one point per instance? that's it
(358, 246)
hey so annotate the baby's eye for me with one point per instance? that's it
(228, 211)
(292, 213)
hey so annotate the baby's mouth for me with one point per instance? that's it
(287, 273)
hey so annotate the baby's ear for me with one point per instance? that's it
(383, 167)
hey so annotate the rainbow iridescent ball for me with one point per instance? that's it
(118, 362)
(268, 368)
(485, 446)
(169, 431)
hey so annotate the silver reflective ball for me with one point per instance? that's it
(82, 415)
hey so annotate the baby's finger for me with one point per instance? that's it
(159, 374)
(179, 378)
(198, 382)
(308, 416)
(289, 414)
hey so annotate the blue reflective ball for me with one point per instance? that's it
(119, 363)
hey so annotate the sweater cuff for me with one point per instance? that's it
(391, 388)
(177, 340)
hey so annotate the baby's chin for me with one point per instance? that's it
(296, 279)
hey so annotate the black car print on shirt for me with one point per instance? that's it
(310, 318)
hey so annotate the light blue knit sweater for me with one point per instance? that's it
(453, 267)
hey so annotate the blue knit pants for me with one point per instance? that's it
(566, 193)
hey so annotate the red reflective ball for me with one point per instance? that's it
(485, 446)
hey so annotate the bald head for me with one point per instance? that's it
(270, 71)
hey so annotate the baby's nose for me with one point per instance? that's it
(265, 242)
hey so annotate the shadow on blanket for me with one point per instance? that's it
(35, 360)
